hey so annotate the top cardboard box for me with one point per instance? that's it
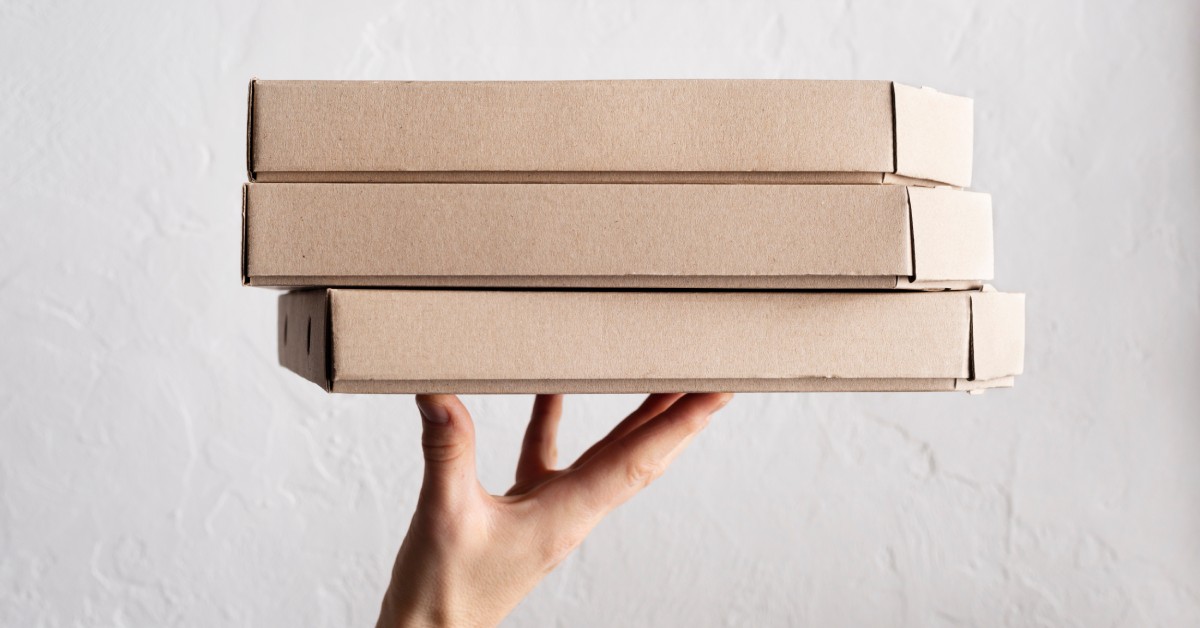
(650, 131)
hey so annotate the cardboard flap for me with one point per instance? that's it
(952, 234)
(977, 386)
(997, 335)
(303, 329)
(933, 135)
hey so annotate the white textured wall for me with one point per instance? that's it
(157, 468)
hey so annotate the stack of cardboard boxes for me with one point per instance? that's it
(625, 236)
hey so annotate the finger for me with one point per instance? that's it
(650, 408)
(627, 465)
(539, 450)
(448, 443)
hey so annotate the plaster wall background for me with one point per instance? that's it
(158, 468)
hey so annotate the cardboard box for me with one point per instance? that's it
(661, 131)
(461, 341)
(616, 236)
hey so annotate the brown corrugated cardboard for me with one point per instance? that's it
(659, 131)
(406, 341)
(616, 236)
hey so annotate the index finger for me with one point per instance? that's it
(627, 465)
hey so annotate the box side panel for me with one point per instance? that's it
(952, 235)
(405, 232)
(469, 335)
(589, 177)
(303, 334)
(934, 135)
(998, 334)
(634, 282)
(584, 126)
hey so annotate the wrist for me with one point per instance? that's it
(401, 610)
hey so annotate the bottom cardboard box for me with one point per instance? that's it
(481, 341)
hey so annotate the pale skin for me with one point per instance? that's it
(470, 557)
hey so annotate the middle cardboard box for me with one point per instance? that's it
(636, 236)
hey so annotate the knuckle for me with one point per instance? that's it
(694, 421)
(443, 450)
(640, 473)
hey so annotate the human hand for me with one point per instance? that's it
(469, 557)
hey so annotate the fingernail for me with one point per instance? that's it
(725, 399)
(433, 412)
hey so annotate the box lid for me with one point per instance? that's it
(607, 131)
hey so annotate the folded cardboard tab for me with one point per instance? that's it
(933, 135)
(615, 236)
(995, 319)
(649, 131)
(413, 341)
